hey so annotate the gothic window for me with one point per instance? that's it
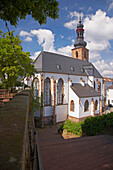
(96, 105)
(72, 105)
(36, 87)
(86, 106)
(76, 54)
(60, 91)
(47, 91)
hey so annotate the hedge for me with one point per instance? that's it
(90, 126)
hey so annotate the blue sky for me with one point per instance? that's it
(59, 35)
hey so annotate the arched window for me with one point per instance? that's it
(96, 105)
(76, 54)
(36, 87)
(47, 91)
(86, 106)
(72, 106)
(60, 91)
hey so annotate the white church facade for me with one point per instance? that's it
(68, 87)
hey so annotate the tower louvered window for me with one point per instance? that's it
(47, 92)
(60, 91)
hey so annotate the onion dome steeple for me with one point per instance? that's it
(80, 35)
(80, 51)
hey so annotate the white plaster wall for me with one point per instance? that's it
(74, 97)
(90, 111)
(109, 96)
(77, 79)
(47, 111)
(61, 113)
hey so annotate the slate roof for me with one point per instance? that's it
(57, 63)
(84, 91)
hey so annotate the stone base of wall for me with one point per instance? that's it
(48, 120)
(75, 119)
(38, 122)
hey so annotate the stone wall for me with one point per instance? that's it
(17, 134)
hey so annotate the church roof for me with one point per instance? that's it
(57, 63)
(84, 91)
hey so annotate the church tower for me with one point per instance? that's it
(80, 52)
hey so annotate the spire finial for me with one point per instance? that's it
(80, 16)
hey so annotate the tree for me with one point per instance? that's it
(13, 10)
(10, 69)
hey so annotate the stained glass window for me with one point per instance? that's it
(86, 106)
(72, 105)
(60, 91)
(47, 92)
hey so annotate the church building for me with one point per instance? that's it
(68, 87)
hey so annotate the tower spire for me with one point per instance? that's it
(80, 52)
(80, 34)
(80, 16)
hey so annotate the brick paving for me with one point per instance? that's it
(85, 153)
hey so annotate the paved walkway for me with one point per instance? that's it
(85, 153)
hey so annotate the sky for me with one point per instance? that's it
(59, 36)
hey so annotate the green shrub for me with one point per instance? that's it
(97, 125)
(90, 126)
(75, 128)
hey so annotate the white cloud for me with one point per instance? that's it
(45, 38)
(65, 50)
(72, 24)
(98, 45)
(108, 73)
(94, 55)
(35, 55)
(24, 33)
(110, 6)
(98, 32)
(76, 14)
(28, 39)
(104, 68)
(98, 27)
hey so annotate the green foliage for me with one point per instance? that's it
(36, 102)
(2, 86)
(90, 126)
(13, 10)
(75, 128)
(10, 69)
(98, 125)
